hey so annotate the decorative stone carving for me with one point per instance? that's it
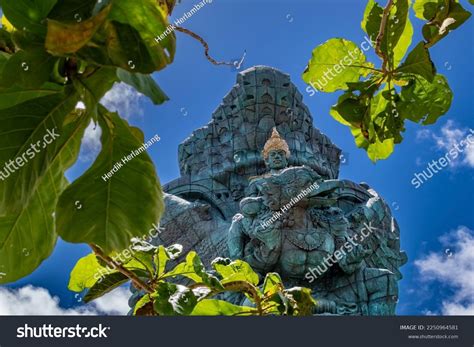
(285, 210)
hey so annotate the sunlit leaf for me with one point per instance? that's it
(335, 63)
(29, 193)
(419, 62)
(237, 270)
(425, 102)
(111, 204)
(212, 307)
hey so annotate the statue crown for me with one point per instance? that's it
(275, 142)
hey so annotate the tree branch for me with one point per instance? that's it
(205, 44)
(380, 36)
(137, 282)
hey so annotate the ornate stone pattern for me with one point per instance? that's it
(228, 191)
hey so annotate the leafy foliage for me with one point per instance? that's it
(53, 55)
(203, 296)
(377, 101)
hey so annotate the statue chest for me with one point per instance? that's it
(300, 250)
(309, 240)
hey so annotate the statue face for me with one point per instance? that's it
(276, 160)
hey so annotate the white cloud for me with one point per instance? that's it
(90, 146)
(454, 268)
(423, 134)
(123, 99)
(31, 300)
(449, 137)
(469, 158)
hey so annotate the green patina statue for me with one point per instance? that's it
(283, 209)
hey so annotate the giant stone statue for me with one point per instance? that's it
(260, 183)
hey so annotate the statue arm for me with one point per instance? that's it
(236, 239)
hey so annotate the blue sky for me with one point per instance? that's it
(436, 220)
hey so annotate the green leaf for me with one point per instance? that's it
(372, 19)
(27, 69)
(335, 113)
(27, 40)
(148, 20)
(351, 108)
(93, 88)
(10, 97)
(334, 64)
(425, 102)
(145, 84)
(193, 268)
(109, 282)
(91, 273)
(160, 259)
(212, 307)
(128, 38)
(305, 303)
(110, 205)
(72, 10)
(29, 194)
(401, 25)
(237, 270)
(380, 149)
(398, 29)
(86, 273)
(123, 34)
(27, 14)
(365, 134)
(449, 16)
(167, 5)
(173, 299)
(387, 123)
(427, 9)
(144, 301)
(419, 62)
(146, 261)
(272, 283)
(65, 38)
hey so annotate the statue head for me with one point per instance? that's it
(276, 152)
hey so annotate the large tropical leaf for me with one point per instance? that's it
(28, 194)
(12, 96)
(145, 84)
(123, 34)
(335, 63)
(117, 207)
(213, 307)
(27, 14)
(398, 29)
